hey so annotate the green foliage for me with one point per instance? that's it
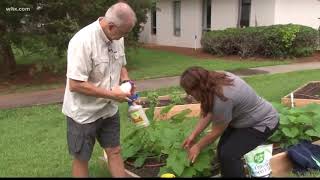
(270, 41)
(153, 100)
(53, 23)
(302, 123)
(165, 138)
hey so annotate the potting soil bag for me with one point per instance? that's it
(258, 161)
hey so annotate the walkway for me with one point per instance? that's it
(56, 95)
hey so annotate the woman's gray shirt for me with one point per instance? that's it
(244, 108)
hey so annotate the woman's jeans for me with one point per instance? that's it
(236, 142)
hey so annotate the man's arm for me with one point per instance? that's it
(124, 74)
(89, 89)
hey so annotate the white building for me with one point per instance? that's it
(181, 22)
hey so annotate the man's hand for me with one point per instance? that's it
(118, 95)
(193, 153)
(134, 88)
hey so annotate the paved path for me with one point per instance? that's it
(56, 95)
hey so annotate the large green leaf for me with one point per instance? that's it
(303, 119)
(140, 161)
(130, 151)
(292, 119)
(313, 107)
(166, 109)
(202, 162)
(276, 137)
(189, 172)
(292, 132)
(312, 132)
(178, 118)
(284, 119)
(175, 163)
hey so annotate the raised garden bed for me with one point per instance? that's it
(281, 165)
(159, 136)
(187, 102)
(306, 94)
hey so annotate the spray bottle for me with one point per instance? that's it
(135, 112)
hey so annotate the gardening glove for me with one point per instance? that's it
(193, 153)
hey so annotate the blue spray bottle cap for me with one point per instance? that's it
(133, 98)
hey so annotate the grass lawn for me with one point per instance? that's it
(33, 140)
(142, 64)
(271, 87)
(146, 63)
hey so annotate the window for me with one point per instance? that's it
(206, 15)
(177, 18)
(245, 6)
(154, 20)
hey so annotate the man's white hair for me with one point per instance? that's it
(120, 13)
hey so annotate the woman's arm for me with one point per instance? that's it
(201, 125)
(217, 130)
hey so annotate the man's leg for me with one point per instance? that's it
(80, 168)
(81, 140)
(109, 139)
(115, 162)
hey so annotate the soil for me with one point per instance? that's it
(151, 167)
(310, 91)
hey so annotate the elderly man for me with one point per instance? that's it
(96, 67)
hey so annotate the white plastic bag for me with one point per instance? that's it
(258, 161)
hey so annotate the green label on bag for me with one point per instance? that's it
(258, 161)
(259, 157)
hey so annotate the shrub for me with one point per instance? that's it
(269, 41)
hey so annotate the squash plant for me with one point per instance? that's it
(166, 137)
(296, 124)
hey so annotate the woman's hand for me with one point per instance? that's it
(193, 153)
(188, 142)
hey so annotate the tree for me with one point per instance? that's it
(52, 23)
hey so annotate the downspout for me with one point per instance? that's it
(239, 13)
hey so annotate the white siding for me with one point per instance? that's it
(262, 12)
(304, 12)
(224, 14)
(190, 23)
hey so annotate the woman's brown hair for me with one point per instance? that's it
(206, 84)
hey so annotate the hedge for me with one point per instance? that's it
(282, 41)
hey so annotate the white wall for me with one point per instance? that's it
(304, 12)
(190, 23)
(262, 12)
(224, 14)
